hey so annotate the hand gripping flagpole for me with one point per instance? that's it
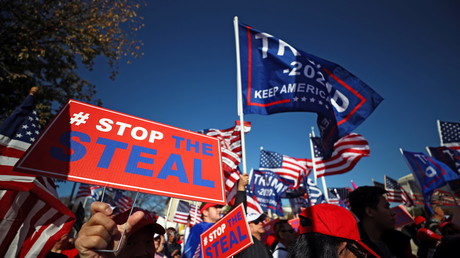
(240, 95)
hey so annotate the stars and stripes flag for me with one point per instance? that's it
(86, 190)
(252, 203)
(287, 168)
(195, 214)
(339, 196)
(182, 212)
(122, 201)
(449, 133)
(32, 218)
(395, 192)
(347, 152)
(230, 142)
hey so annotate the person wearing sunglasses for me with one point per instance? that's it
(286, 237)
(211, 213)
(329, 231)
(256, 227)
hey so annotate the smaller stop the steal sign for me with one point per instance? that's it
(93, 145)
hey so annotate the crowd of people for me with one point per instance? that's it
(325, 230)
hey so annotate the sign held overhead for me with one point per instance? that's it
(93, 145)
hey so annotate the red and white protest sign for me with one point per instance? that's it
(229, 236)
(93, 145)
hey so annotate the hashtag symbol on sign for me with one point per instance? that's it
(79, 118)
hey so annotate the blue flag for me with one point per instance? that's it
(448, 156)
(277, 77)
(268, 187)
(430, 173)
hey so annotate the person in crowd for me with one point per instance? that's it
(159, 242)
(411, 229)
(328, 231)
(256, 227)
(286, 237)
(429, 240)
(172, 247)
(435, 219)
(124, 235)
(376, 223)
(450, 241)
(211, 213)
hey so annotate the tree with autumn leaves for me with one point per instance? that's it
(44, 43)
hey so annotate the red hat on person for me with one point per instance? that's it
(419, 219)
(208, 205)
(149, 219)
(334, 221)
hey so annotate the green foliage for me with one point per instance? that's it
(44, 42)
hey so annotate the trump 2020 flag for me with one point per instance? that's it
(276, 77)
(430, 173)
(268, 187)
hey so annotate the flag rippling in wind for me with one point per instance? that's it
(287, 168)
(182, 212)
(32, 218)
(430, 173)
(347, 152)
(122, 201)
(339, 196)
(449, 132)
(396, 193)
(314, 194)
(195, 214)
(91, 191)
(230, 143)
(276, 77)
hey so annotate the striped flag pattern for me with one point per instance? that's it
(122, 201)
(182, 212)
(287, 168)
(86, 190)
(449, 132)
(395, 192)
(32, 218)
(253, 204)
(195, 214)
(230, 142)
(348, 150)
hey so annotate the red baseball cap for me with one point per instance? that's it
(209, 205)
(334, 221)
(149, 219)
(418, 220)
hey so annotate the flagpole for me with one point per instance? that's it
(323, 180)
(240, 95)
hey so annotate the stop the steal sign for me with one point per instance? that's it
(93, 145)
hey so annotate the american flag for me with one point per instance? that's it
(252, 203)
(378, 184)
(416, 193)
(340, 196)
(91, 191)
(395, 192)
(182, 212)
(122, 201)
(230, 143)
(195, 214)
(348, 150)
(32, 217)
(288, 169)
(449, 132)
